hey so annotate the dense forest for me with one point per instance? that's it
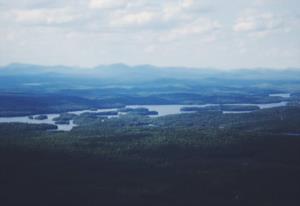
(189, 159)
(202, 157)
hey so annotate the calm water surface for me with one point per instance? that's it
(50, 120)
(283, 95)
(162, 110)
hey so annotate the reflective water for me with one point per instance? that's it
(265, 106)
(236, 112)
(162, 110)
(283, 95)
(35, 121)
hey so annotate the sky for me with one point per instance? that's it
(191, 33)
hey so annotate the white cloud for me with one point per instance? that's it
(107, 4)
(260, 24)
(43, 16)
(150, 49)
(178, 9)
(281, 52)
(187, 3)
(244, 25)
(169, 30)
(128, 19)
(162, 16)
(200, 26)
(269, 2)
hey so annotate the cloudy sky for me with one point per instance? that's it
(198, 33)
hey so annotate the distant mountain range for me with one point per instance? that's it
(72, 88)
(125, 73)
(28, 77)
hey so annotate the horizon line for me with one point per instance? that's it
(153, 65)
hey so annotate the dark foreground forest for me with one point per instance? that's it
(203, 157)
(240, 159)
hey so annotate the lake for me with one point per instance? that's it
(26, 119)
(283, 95)
(162, 110)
